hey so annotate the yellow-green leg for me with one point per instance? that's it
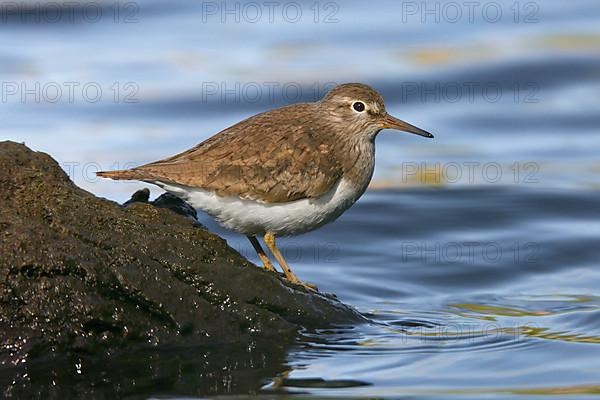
(261, 254)
(269, 239)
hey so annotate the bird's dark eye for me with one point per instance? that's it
(359, 106)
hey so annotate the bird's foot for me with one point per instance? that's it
(305, 285)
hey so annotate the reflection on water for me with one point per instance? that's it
(474, 255)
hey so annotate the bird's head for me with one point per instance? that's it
(358, 109)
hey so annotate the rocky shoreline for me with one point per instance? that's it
(81, 275)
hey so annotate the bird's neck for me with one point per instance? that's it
(357, 158)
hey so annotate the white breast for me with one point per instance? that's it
(256, 218)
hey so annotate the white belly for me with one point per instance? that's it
(255, 218)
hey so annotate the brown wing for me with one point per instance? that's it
(272, 157)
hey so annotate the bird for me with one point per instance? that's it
(282, 172)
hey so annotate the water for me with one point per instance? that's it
(474, 255)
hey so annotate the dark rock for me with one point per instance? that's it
(165, 200)
(141, 196)
(175, 204)
(82, 277)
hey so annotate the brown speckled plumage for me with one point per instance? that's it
(290, 153)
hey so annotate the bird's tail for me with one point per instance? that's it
(126, 174)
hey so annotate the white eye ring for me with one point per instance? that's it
(359, 106)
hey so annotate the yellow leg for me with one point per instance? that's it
(290, 276)
(261, 254)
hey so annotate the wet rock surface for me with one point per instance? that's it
(85, 281)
